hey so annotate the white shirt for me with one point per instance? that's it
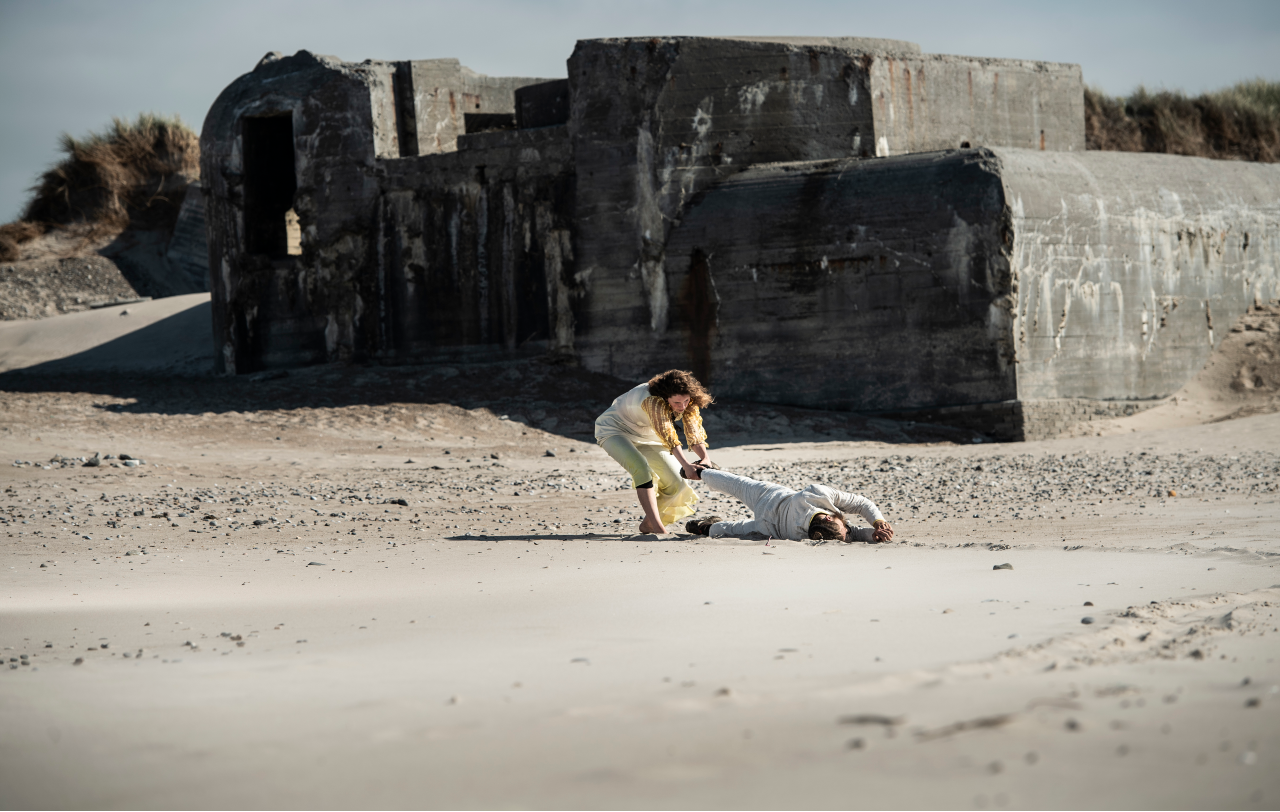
(626, 417)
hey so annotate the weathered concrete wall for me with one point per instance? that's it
(344, 296)
(272, 311)
(656, 122)
(443, 92)
(997, 276)
(188, 250)
(930, 102)
(849, 284)
(474, 248)
(1131, 267)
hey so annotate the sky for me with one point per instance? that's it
(72, 65)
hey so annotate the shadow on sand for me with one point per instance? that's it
(154, 371)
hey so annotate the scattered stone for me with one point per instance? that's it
(1252, 702)
(1086, 620)
(1088, 603)
(94, 461)
(315, 564)
(855, 744)
(871, 719)
(549, 453)
(982, 722)
(78, 661)
(1002, 567)
(401, 502)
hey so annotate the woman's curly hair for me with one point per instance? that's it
(680, 382)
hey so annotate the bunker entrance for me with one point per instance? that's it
(270, 223)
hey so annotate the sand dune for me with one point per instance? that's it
(164, 335)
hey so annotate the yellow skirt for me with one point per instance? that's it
(653, 463)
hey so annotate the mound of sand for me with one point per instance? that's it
(121, 216)
(165, 336)
(1241, 378)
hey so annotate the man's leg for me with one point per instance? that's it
(763, 498)
(758, 496)
(738, 529)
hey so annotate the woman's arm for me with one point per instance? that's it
(694, 434)
(685, 463)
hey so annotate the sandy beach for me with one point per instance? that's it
(392, 598)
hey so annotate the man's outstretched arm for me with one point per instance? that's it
(864, 507)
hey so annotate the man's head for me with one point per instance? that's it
(826, 527)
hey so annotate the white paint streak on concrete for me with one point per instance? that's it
(649, 221)
(751, 98)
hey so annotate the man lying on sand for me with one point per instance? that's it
(816, 513)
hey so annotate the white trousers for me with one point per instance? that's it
(764, 498)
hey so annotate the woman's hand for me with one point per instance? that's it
(883, 532)
(686, 464)
(700, 450)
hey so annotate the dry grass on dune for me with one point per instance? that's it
(132, 174)
(1241, 122)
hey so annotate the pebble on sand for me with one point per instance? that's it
(1002, 567)
(1086, 620)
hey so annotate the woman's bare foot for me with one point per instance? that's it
(647, 527)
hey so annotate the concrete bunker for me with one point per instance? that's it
(764, 211)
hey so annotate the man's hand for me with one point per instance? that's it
(883, 532)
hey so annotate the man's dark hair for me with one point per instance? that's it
(824, 528)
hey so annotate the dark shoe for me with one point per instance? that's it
(699, 466)
(701, 527)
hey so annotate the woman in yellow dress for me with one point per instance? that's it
(638, 431)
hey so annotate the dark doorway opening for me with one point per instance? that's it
(269, 186)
